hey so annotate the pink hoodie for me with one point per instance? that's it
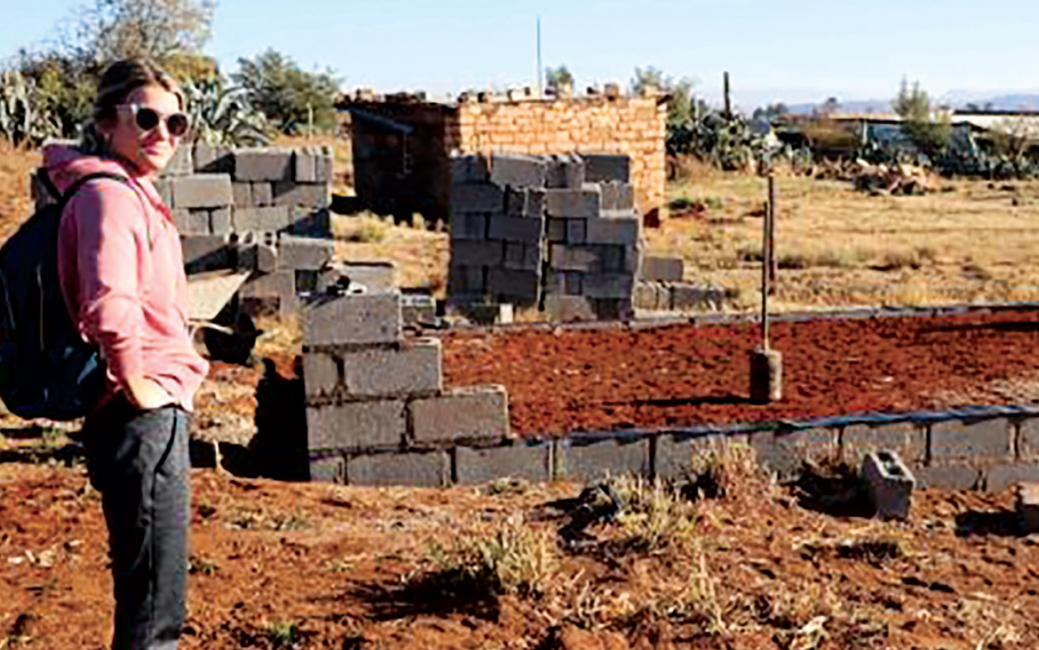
(122, 275)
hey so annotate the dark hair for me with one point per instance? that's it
(117, 83)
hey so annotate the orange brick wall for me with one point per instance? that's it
(627, 125)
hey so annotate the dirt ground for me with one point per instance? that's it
(316, 566)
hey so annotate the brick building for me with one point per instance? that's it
(402, 145)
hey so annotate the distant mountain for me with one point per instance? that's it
(956, 99)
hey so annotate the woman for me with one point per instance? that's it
(122, 276)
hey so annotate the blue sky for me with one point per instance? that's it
(791, 51)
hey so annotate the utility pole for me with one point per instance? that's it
(541, 70)
(728, 103)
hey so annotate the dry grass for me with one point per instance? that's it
(837, 246)
(16, 163)
(421, 256)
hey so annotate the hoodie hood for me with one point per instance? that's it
(66, 164)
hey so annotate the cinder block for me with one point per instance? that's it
(569, 283)
(272, 292)
(202, 191)
(411, 468)
(568, 309)
(691, 296)
(273, 219)
(514, 228)
(306, 166)
(608, 285)
(324, 166)
(588, 259)
(614, 308)
(356, 425)
(565, 172)
(242, 194)
(532, 462)
(665, 269)
(470, 169)
(256, 254)
(889, 483)
(672, 457)
(263, 165)
(213, 159)
(418, 310)
(582, 203)
(577, 231)
(525, 202)
(469, 225)
(518, 171)
(1028, 508)
(522, 257)
(975, 440)
(328, 469)
(206, 253)
(508, 285)
(471, 413)
(220, 221)
(263, 194)
(321, 377)
(374, 276)
(647, 296)
(483, 197)
(1028, 437)
(191, 222)
(595, 460)
(618, 230)
(783, 453)
(467, 280)
(180, 164)
(617, 196)
(955, 477)
(289, 193)
(304, 253)
(353, 319)
(909, 440)
(555, 229)
(1000, 477)
(606, 167)
(412, 369)
(477, 253)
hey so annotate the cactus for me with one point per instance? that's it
(223, 115)
(19, 122)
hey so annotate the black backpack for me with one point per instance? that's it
(46, 369)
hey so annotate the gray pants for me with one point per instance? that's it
(138, 460)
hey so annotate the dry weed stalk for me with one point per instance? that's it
(655, 516)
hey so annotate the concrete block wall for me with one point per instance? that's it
(560, 232)
(979, 448)
(628, 127)
(377, 409)
(261, 209)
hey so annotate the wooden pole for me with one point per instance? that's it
(766, 263)
(771, 232)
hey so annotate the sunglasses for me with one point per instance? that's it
(148, 118)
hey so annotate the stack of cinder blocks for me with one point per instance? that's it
(377, 411)
(661, 288)
(560, 232)
(258, 209)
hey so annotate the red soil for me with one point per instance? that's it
(570, 379)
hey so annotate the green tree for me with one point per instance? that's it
(680, 92)
(288, 96)
(108, 30)
(556, 77)
(930, 136)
